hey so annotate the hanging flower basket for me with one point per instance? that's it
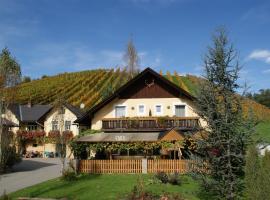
(54, 134)
(68, 135)
(31, 134)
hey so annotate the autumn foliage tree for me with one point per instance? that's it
(10, 75)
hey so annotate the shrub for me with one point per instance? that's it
(4, 196)
(162, 176)
(69, 175)
(9, 157)
(257, 180)
(174, 179)
(139, 193)
(13, 157)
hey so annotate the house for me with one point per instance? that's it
(148, 108)
(53, 126)
(38, 126)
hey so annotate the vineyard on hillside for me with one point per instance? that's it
(90, 87)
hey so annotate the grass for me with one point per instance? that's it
(263, 131)
(104, 187)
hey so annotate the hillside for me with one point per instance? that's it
(90, 87)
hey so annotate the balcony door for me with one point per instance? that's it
(180, 110)
(120, 111)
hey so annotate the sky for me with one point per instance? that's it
(48, 37)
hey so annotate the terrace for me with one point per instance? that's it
(150, 123)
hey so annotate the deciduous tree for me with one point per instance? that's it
(132, 59)
(10, 76)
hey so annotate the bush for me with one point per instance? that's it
(257, 179)
(139, 193)
(162, 176)
(4, 196)
(173, 179)
(69, 175)
(13, 157)
(9, 157)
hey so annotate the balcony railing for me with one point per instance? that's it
(149, 123)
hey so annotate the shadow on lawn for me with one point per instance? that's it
(61, 186)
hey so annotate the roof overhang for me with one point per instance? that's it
(170, 135)
(90, 113)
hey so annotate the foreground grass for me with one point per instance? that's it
(104, 187)
(263, 131)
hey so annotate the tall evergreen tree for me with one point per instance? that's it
(227, 131)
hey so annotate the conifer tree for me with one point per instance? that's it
(228, 133)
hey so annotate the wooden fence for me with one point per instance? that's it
(170, 166)
(110, 166)
(136, 166)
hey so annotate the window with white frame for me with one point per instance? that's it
(67, 125)
(141, 110)
(55, 125)
(158, 110)
(180, 110)
(120, 111)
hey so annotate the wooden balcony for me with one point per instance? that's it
(150, 123)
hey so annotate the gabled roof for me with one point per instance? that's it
(172, 134)
(33, 113)
(90, 112)
(75, 110)
(26, 113)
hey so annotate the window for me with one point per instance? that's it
(158, 110)
(32, 127)
(67, 125)
(141, 110)
(55, 125)
(179, 110)
(120, 111)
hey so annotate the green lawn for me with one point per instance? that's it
(263, 131)
(104, 187)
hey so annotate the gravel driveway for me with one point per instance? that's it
(30, 172)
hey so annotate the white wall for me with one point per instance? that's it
(68, 116)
